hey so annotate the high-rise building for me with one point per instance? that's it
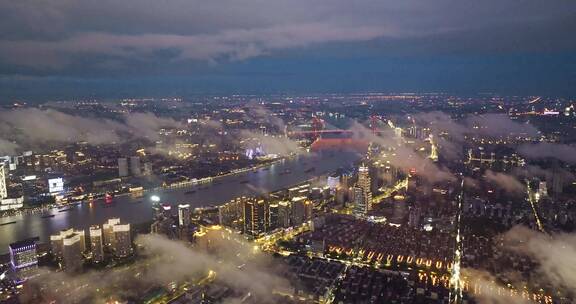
(284, 214)
(231, 213)
(135, 166)
(273, 214)
(3, 188)
(122, 240)
(57, 243)
(122, 167)
(364, 184)
(82, 235)
(23, 259)
(254, 216)
(184, 215)
(96, 245)
(359, 201)
(301, 210)
(108, 232)
(72, 253)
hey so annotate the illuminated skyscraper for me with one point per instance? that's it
(57, 243)
(184, 215)
(273, 214)
(122, 240)
(3, 188)
(72, 253)
(359, 201)
(301, 210)
(284, 214)
(254, 216)
(23, 259)
(364, 184)
(82, 235)
(109, 233)
(96, 245)
(231, 214)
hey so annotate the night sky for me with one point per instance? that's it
(55, 49)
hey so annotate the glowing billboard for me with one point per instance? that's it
(55, 185)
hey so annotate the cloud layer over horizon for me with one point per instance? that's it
(129, 39)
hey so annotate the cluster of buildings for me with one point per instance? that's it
(132, 166)
(256, 216)
(8, 202)
(174, 226)
(70, 247)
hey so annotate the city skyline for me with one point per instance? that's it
(287, 152)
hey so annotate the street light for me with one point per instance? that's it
(155, 198)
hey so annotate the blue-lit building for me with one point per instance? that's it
(24, 259)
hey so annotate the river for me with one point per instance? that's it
(138, 210)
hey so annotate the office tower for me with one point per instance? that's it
(231, 214)
(108, 232)
(122, 240)
(359, 201)
(3, 187)
(273, 216)
(82, 235)
(23, 259)
(284, 214)
(346, 181)
(301, 210)
(96, 245)
(72, 253)
(135, 166)
(184, 215)
(122, 167)
(364, 184)
(254, 216)
(57, 243)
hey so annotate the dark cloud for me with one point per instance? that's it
(117, 35)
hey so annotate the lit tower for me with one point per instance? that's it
(3, 190)
(23, 259)
(254, 216)
(433, 149)
(184, 215)
(122, 240)
(364, 184)
(96, 245)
